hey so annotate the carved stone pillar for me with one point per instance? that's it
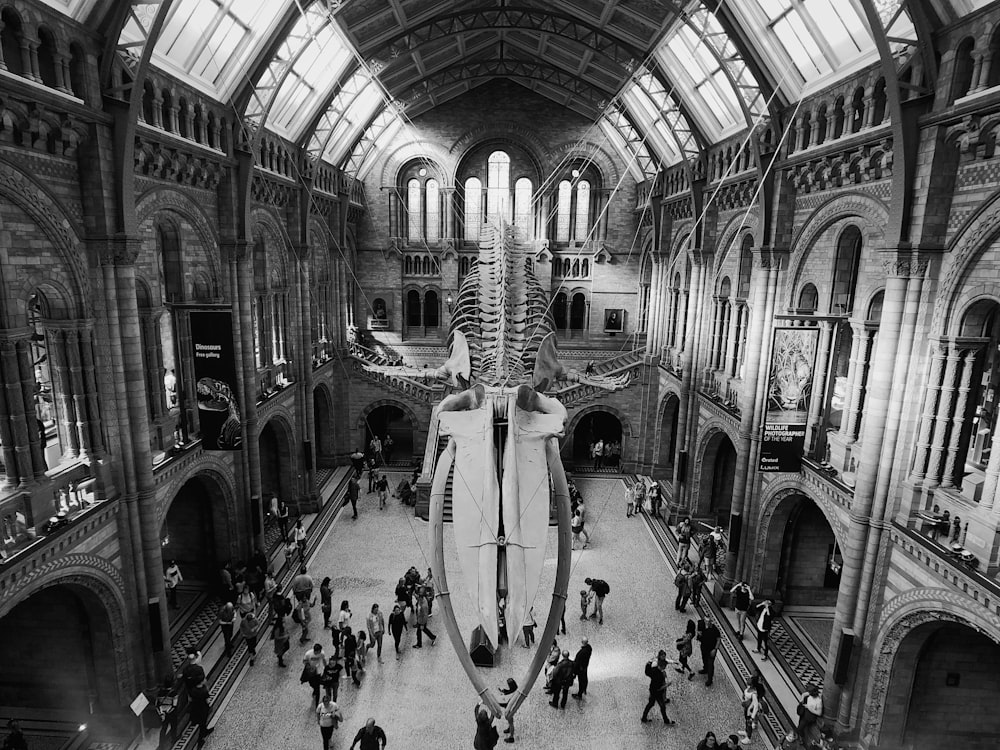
(977, 82)
(857, 331)
(942, 419)
(94, 441)
(869, 104)
(857, 391)
(29, 54)
(818, 397)
(990, 484)
(158, 111)
(958, 420)
(683, 313)
(938, 354)
(733, 312)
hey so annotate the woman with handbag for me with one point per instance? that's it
(329, 716)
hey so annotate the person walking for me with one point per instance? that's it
(387, 447)
(487, 735)
(710, 742)
(171, 578)
(528, 628)
(684, 541)
(330, 679)
(581, 509)
(600, 589)
(270, 587)
(681, 582)
(742, 596)
(302, 614)
(248, 629)
(685, 647)
(630, 496)
(313, 666)
(382, 487)
(708, 638)
(166, 709)
(280, 636)
(361, 660)
(562, 679)
(580, 663)
(326, 602)
(353, 492)
(764, 617)
(577, 527)
(397, 624)
(302, 585)
(376, 449)
(658, 684)
(428, 584)
(227, 621)
(370, 736)
(753, 703)
(420, 614)
(655, 499)
(246, 602)
(343, 622)
(350, 652)
(299, 537)
(376, 629)
(198, 711)
(329, 716)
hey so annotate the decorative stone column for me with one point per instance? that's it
(858, 381)
(958, 420)
(819, 383)
(942, 419)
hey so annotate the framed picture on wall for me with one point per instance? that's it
(614, 320)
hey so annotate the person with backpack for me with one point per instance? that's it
(696, 580)
(681, 582)
(683, 540)
(707, 553)
(658, 684)
(742, 598)
(600, 589)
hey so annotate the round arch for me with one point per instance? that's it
(666, 433)
(907, 622)
(277, 459)
(578, 426)
(717, 467)
(387, 417)
(324, 440)
(199, 526)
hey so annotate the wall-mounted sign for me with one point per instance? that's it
(789, 390)
(215, 376)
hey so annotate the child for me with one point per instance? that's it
(584, 603)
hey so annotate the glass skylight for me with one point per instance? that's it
(77, 9)
(211, 42)
(354, 112)
(616, 126)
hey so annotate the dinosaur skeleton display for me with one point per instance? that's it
(503, 447)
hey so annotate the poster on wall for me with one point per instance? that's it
(215, 378)
(789, 390)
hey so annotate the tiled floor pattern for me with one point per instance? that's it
(793, 655)
(816, 630)
(424, 699)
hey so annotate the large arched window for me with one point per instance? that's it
(432, 309)
(578, 312)
(433, 210)
(522, 206)
(559, 311)
(413, 308)
(808, 300)
(473, 209)
(498, 185)
(964, 66)
(564, 203)
(746, 267)
(582, 211)
(845, 271)
(413, 233)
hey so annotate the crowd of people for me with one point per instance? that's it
(606, 454)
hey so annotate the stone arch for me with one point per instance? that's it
(775, 509)
(709, 501)
(159, 199)
(903, 615)
(591, 152)
(872, 211)
(665, 445)
(59, 229)
(504, 130)
(212, 467)
(281, 475)
(395, 162)
(222, 512)
(681, 234)
(324, 440)
(407, 411)
(729, 237)
(569, 447)
(105, 582)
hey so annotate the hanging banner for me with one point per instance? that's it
(215, 376)
(789, 390)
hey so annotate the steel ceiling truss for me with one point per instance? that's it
(906, 29)
(615, 116)
(688, 140)
(369, 139)
(321, 135)
(126, 58)
(493, 19)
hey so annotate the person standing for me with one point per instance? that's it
(577, 526)
(683, 541)
(810, 711)
(397, 624)
(246, 602)
(487, 735)
(598, 454)
(376, 629)
(171, 578)
(353, 492)
(420, 614)
(753, 703)
(350, 652)
(696, 579)
(302, 614)
(283, 519)
(280, 635)
(387, 448)
(681, 582)
(630, 495)
(370, 736)
(193, 674)
(742, 597)
(326, 602)
(15, 740)
(362, 658)
(428, 583)
(166, 710)
(685, 647)
(764, 617)
(248, 629)
(343, 622)
(270, 587)
(227, 621)
(562, 679)
(376, 448)
(302, 585)
(655, 498)
(299, 537)
(329, 716)
(198, 710)
(657, 674)
(581, 662)
(600, 589)
(528, 628)
(708, 637)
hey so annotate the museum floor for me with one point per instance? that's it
(424, 699)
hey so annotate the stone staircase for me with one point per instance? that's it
(628, 362)
(359, 356)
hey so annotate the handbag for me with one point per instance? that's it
(307, 673)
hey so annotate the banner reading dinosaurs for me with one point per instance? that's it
(789, 390)
(215, 376)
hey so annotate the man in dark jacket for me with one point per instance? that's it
(656, 671)
(562, 678)
(600, 589)
(580, 663)
(708, 637)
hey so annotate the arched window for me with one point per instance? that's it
(413, 211)
(431, 309)
(47, 58)
(993, 79)
(578, 312)
(982, 321)
(808, 300)
(582, 210)
(166, 113)
(473, 209)
(498, 185)
(878, 102)
(182, 119)
(148, 103)
(413, 308)
(746, 267)
(821, 125)
(875, 307)
(964, 66)
(77, 68)
(432, 196)
(845, 271)
(522, 206)
(838, 117)
(559, 311)
(858, 109)
(10, 41)
(563, 204)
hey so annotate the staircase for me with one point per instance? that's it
(579, 393)
(414, 389)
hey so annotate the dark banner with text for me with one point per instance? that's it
(215, 375)
(789, 391)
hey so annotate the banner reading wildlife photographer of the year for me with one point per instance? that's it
(215, 375)
(789, 390)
